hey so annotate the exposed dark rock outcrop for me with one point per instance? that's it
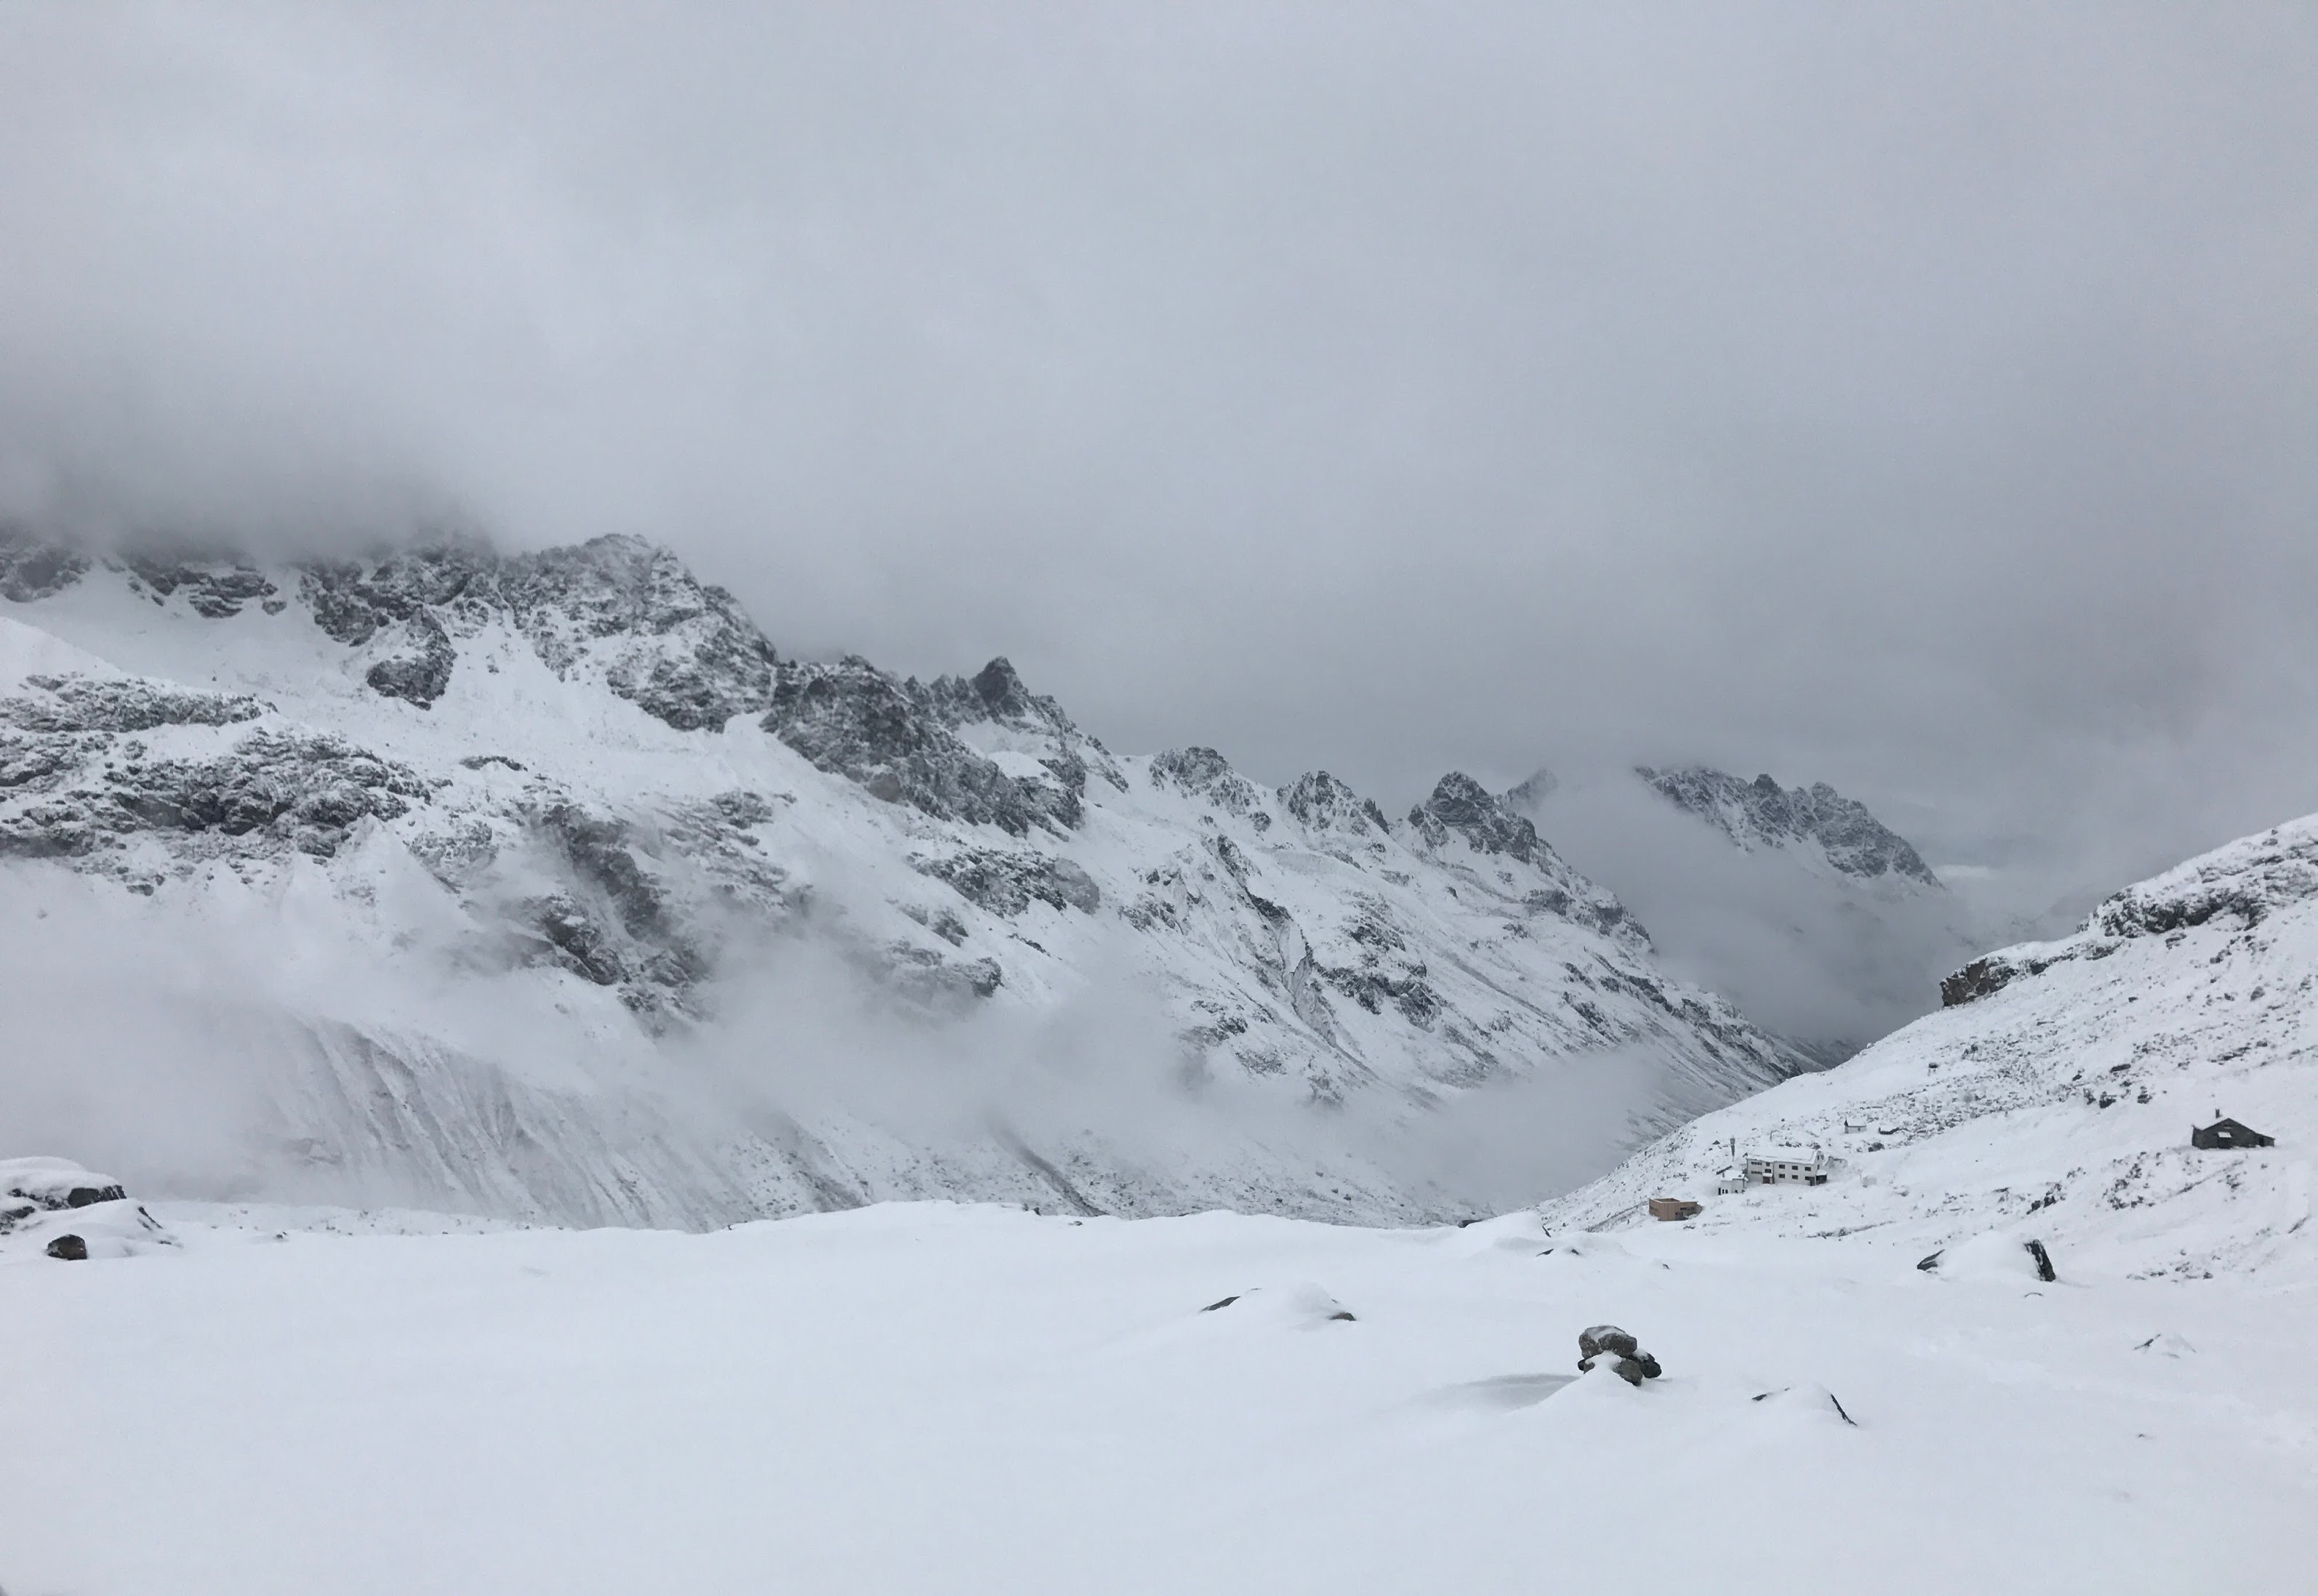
(1982, 977)
(75, 704)
(926, 975)
(353, 599)
(307, 787)
(216, 587)
(420, 670)
(1462, 805)
(1007, 883)
(679, 650)
(61, 1186)
(577, 940)
(1206, 774)
(892, 740)
(32, 569)
(304, 789)
(995, 692)
(652, 948)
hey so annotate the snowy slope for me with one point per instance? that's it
(1818, 920)
(929, 1398)
(2053, 1098)
(543, 886)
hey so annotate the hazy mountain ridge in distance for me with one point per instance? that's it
(1762, 813)
(2052, 1096)
(543, 885)
(1823, 924)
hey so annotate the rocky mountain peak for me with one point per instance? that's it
(1761, 813)
(1003, 696)
(1462, 808)
(1322, 802)
(1462, 805)
(619, 609)
(1204, 773)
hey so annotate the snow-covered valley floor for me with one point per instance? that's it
(930, 1397)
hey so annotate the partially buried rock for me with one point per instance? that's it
(69, 1247)
(1605, 1345)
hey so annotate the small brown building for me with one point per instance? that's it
(1672, 1208)
(2229, 1133)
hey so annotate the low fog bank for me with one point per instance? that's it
(1829, 963)
(217, 1041)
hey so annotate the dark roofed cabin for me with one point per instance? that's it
(2229, 1133)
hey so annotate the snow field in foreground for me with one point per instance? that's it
(939, 1398)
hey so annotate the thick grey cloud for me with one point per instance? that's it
(1922, 399)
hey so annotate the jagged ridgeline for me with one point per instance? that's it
(584, 786)
(1763, 813)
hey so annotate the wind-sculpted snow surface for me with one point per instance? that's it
(539, 885)
(2052, 1099)
(278, 1401)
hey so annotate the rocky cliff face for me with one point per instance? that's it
(576, 794)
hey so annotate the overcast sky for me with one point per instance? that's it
(1922, 399)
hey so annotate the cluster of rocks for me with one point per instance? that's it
(1605, 1346)
(1761, 811)
(33, 1187)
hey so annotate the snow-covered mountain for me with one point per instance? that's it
(1817, 824)
(2051, 1099)
(542, 884)
(1819, 921)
